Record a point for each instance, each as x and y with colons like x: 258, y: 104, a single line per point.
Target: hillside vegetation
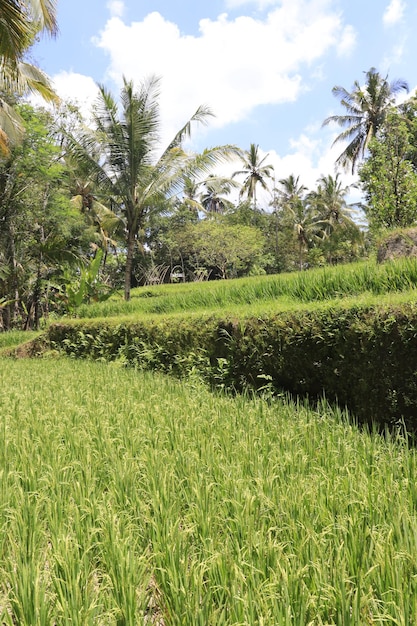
x: 276, y: 292
x: 348, y: 332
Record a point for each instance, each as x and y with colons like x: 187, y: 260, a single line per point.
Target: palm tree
x: 214, y: 199
x: 291, y: 192
x: 366, y: 108
x: 190, y: 195
x: 18, y: 79
x: 255, y: 172
x: 20, y: 22
x: 135, y: 183
x: 107, y: 224
x: 291, y: 197
x: 329, y: 201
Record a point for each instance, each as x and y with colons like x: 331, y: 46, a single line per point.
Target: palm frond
x: 15, y: 31
x: 366, y: 108
x: 20, y: 22
x: 22, y: 78
x: 11, y: 127
x: 201, y: 116
x: 43, y: 14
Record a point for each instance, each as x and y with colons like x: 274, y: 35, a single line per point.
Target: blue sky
x: 265, y: 67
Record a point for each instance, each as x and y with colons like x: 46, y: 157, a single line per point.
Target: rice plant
x: 279, y: 291
x: 13, y: 338
x: 129, y: 498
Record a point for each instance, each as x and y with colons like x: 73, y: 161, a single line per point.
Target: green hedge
x: 363, y: 357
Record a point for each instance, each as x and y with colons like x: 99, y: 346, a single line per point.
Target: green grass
x: 281, y: 291
x: 128, y: 498
x: 13, y: 338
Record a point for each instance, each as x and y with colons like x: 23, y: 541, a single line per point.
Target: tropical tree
x: 135, y: 182
x: 388, y: 177
x: 40, y: 230
x: 107, y: 225
x: 366, y: 107
x: 330, y: 203
x: 290, y: 192
x: 342, y: 239
x: 20, y: 23
x: 215, y: 246
x: 298, y: 214
x: 214, y: 197
x: 256, y: 172
x: 190, y: 195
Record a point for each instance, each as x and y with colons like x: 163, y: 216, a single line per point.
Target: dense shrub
x: 363, y: 357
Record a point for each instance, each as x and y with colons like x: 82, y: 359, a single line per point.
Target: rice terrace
x: 208, y: 362
x: 132, y: 496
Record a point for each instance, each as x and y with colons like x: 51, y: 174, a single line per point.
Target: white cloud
x: 394, y: 12
x: 74, y: 88
x: 347, y: 41
x: 309, y: 159
x: 261, y: 4
x: 78, y: 89
x: 394, y: 56
x: 116, y: 7
x: 233, y: 65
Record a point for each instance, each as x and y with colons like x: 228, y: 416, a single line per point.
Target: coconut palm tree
x: 329, y: 201
x: 135, y: 182
x: 290, y: 192
x: 214, y: 200
x: 190, y: 194
x: 299, y: 213
x: 366, y: 107
x: 108, y: 225
x: 20, y: 22
x: 19, y: 78
x: 255, y: 172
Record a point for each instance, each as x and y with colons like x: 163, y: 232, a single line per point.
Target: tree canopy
x: 366, y: 108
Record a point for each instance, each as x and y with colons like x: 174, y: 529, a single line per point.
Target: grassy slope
x: 126, y: 493
x: 15, y: 338
x: 366, y: 281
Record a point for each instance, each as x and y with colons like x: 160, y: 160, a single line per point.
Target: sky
x: 266, y: 68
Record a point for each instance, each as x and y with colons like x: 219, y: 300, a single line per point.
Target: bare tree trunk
x: 38, y: 284
x: 129, y: 264
x: 276, y: 237
x: 37, y: 299
x: 14, y: 269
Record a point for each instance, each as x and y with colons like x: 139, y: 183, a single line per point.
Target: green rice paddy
x: 128, y: 498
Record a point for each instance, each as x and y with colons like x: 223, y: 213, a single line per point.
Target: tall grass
x: 315, y: 285
x: 13, y: 338
x: 127, y: 498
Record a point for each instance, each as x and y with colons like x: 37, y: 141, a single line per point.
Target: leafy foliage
x: 388, y: 177
x: 365, y: 345
x: 40, y: 229
x: 120, y: 155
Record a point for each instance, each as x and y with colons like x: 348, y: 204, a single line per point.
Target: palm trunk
x: 276, y: 238
x: 38, y: 284
x: 129, y: 264
x: 14, y: 273
x: 37, y: 298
